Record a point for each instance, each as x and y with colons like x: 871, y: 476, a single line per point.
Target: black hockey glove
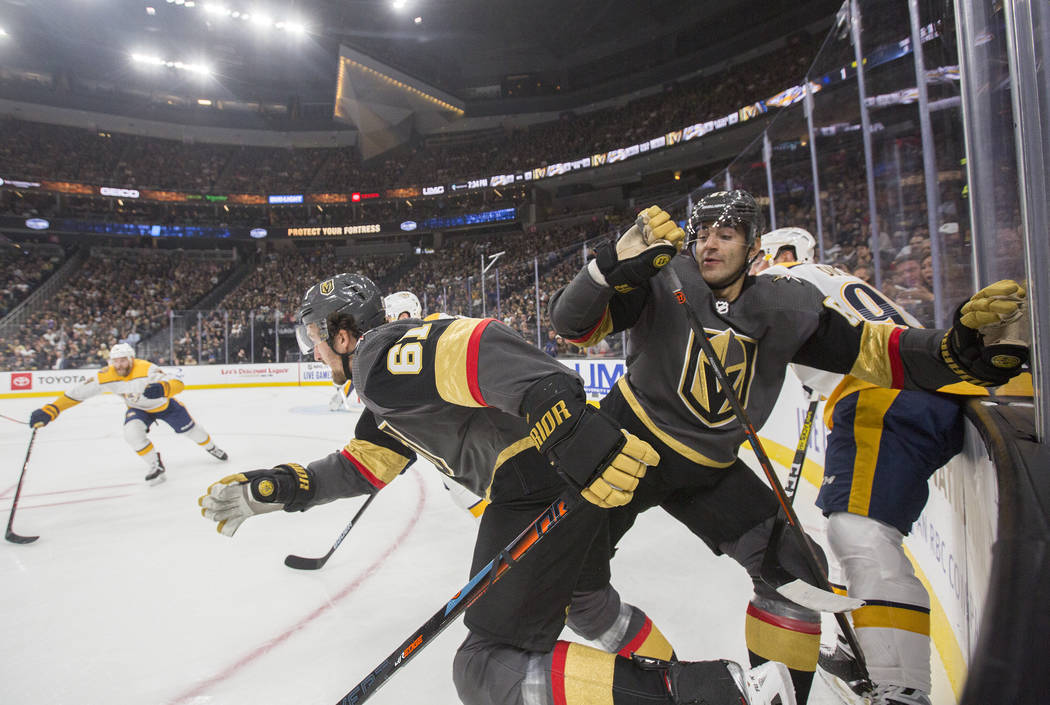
x: 984, y: 345
x: 153, y: 390
x: 593, y: 454
x: 234, y: 498
x: 39, y: 418
x: 645, y: 249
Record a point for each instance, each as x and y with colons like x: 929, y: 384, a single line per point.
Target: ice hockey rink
x: 130, y: 597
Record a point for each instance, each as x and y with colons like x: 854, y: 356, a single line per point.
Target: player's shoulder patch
x: 785, y: 292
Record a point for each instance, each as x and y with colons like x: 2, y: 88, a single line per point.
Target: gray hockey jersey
x: 450, y: 390
x: 669, y: 384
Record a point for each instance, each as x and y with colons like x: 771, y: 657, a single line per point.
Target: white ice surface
x: 130, y: 597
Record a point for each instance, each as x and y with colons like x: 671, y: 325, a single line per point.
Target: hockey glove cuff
x: 589, y: 450
x: 234, y: 498
x: 645, y: 249
x: 985, y: 344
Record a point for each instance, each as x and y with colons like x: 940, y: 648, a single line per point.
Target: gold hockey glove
x: 593, y: 454
x: 985, y: 345
x: 234, y: 498
x: 645, y: 249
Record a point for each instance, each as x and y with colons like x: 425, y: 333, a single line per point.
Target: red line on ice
x: 3, y: 495
x: 204, y: 686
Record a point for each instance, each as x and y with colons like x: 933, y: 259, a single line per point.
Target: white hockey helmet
x: 121, y: 350
x: 402, y: 302
x: 798, y: 238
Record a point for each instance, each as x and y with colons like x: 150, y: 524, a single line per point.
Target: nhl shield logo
x: 327, y: 286
x: 698, y: 387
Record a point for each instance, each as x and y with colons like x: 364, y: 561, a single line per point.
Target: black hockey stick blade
x: 15, y: 538
x: 463, y: 599
x: 301, y: 563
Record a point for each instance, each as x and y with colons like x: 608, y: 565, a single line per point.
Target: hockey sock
x: 616, y: 626
x: 790, y: 640
x: 581, y: 675
x: 199, y: 436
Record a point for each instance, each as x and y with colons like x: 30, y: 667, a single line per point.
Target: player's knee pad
x: 486, y: 672
x: 788, y: 551
x: 135, y: 434
x: 871, y: 556
x: 592, y: 614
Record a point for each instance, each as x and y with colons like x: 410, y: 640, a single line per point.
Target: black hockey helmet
x: 346, y: 301
x: 732, y: 208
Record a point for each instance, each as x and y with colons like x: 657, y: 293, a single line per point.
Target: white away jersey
x: 853, y: 298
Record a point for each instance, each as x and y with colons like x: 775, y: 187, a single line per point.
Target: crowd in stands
x: 21, y: 270
x: 34, y: 151
x: 116, y: 294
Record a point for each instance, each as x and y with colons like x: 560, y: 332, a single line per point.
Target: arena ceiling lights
x: 257, y: 17
x: 202, y: 70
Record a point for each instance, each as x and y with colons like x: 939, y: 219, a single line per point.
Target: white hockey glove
x: 986, y: 344
x: 645, y: 249
x: 234, y: 498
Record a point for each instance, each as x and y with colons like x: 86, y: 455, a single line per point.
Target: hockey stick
x: 300, y: 563
x: 10, y: 535
x: 463, y: 599
x: 795, y: 473
x: 4, y: 416
x: 808, y: 552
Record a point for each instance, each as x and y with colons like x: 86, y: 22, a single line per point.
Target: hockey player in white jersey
x: 149, y: 394
x: 883, y: 447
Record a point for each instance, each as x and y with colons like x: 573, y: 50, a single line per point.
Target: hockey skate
x: 337, y: 402
x: 839, y: 670
x: 155, y: 476
x: 217, y: 452
x: 725, y: 683
x: 886, y: 694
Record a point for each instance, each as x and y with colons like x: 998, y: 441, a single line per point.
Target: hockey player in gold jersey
x: 149, y: 394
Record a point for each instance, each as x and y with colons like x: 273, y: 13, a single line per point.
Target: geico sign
x: 119, y: 192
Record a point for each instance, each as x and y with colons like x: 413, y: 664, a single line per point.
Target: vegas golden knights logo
x: 327, y: 286
x: 699, y: 387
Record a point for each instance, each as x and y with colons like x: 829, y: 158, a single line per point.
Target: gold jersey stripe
x: 594, y: 336
x: 588, y: 676
x: 451, y: 374
x: 505, y: 455
x: 873, y: 361
x: 892, y: 618
x: 383, y: 463
x: 671, y: 442
x: 867, y: 435
x: 796, y: 650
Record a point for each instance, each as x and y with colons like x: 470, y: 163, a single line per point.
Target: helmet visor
x: 308, y: 335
